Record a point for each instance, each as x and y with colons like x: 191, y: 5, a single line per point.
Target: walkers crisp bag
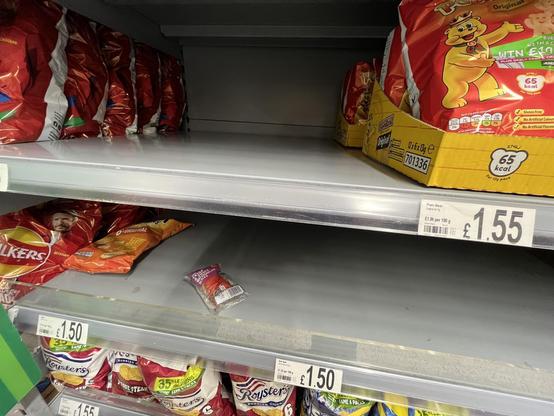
x: 173, y: 103
x: 481, y: 66
x: 121, y: 111
x: 117, y: 252
x: 33, y: 70
x: 34, y: 242
x: 148, y: 88
x: 86, y: 87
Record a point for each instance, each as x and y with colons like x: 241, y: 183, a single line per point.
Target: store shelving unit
x: 265, y: 176
x: 435, y: 321
x: 442, y: 333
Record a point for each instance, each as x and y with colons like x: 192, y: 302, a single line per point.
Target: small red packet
x: 215, y: 288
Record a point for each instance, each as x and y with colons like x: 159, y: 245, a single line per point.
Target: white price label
x: 65, y: 329
x: 3, y: 177
x: 70, y: 407
x: 306, y: 375
x: 476, y: 222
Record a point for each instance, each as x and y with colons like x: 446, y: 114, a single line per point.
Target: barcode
x: 227, y: 294
x: 435, y: 229
x: 286, y: 378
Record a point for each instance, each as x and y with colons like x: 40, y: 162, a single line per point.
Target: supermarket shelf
x: 387, y: 310
x: 128, y: 21
x: 109, y: 404
x: 274, y: 177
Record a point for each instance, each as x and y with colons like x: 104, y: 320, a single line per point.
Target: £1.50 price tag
x: 70, y: 407
x: 306, y: 375
x: 49, y: 326
x: 477, y: 222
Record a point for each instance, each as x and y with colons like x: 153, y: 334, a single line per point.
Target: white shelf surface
x: 438, y: 321
x: 292, y: 179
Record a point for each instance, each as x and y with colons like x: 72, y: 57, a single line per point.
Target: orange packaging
x: 480, y: 66
x: 117, y: 252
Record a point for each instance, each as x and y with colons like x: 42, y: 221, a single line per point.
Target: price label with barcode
x: 70, y: 407
x: 307, y: 375
x: 477, y: 222
x: 49, y: 326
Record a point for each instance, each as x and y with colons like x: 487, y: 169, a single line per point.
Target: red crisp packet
x: 215, y: 288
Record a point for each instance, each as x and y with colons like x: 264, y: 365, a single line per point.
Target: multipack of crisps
x: 75, y: 365
x: 254, y: 396
x: 319, y: 403
x: 35, y: 242
x: 185, y: 387
x: 119, y: 55
x: 148, y: 87
x: 86, y: 87
x: 33, y: 70
x: 126, y: 377
x: 117, y: 252
x: 173, y: 102
x: 481, y: 66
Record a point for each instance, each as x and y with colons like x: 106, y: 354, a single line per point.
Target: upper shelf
x: 261, y: 176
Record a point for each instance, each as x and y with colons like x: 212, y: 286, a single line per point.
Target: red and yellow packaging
x: 35, y: 242
x: 74, y: 365
x: 33, y: 36
x: 118, y: 216
x: 117, y: 252
x: 355, y: 99
x: 86, y: 87
x: 121, y: 111
x: 126, y: 376
x: 393, y: 74
x: 480, y: 66
x: 148, y: 87
x: 173, y: 102
x: 185, y: 388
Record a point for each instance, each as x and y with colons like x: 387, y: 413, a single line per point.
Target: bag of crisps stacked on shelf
x: 75, y: 365
x: 173, y: 102
x: 118, y: 216
x: 185, y: 386
x: 35, y: 242
x: 393, y: 75
x: 116, y: 252
x: 33, y: 70
x: 86, y: 87
x: 254, y: 396
x: 126, y: 377
x: 354, y: 105
x: 119, y: 56
x: 148, y: 88
x: 480, y: 66
x: 319, y: 403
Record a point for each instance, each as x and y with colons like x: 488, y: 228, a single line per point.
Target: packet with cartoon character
x: 480, y: 66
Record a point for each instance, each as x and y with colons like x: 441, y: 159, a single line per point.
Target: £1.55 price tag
x: 70, y: 407
x: 49, y: 326
x: 306, y: 375
x: 477, y: 222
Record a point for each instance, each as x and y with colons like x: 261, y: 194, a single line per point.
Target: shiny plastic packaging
x: 480, y: 66
x: 256, y: 397
x: 173, y: 102
x: 121, y: 111
x: 86, y: 87
x: 33, y: 70
x: 356, y: 92
x: 148, y: 88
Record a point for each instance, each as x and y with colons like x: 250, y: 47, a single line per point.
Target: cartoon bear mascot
x: 468, y: 60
